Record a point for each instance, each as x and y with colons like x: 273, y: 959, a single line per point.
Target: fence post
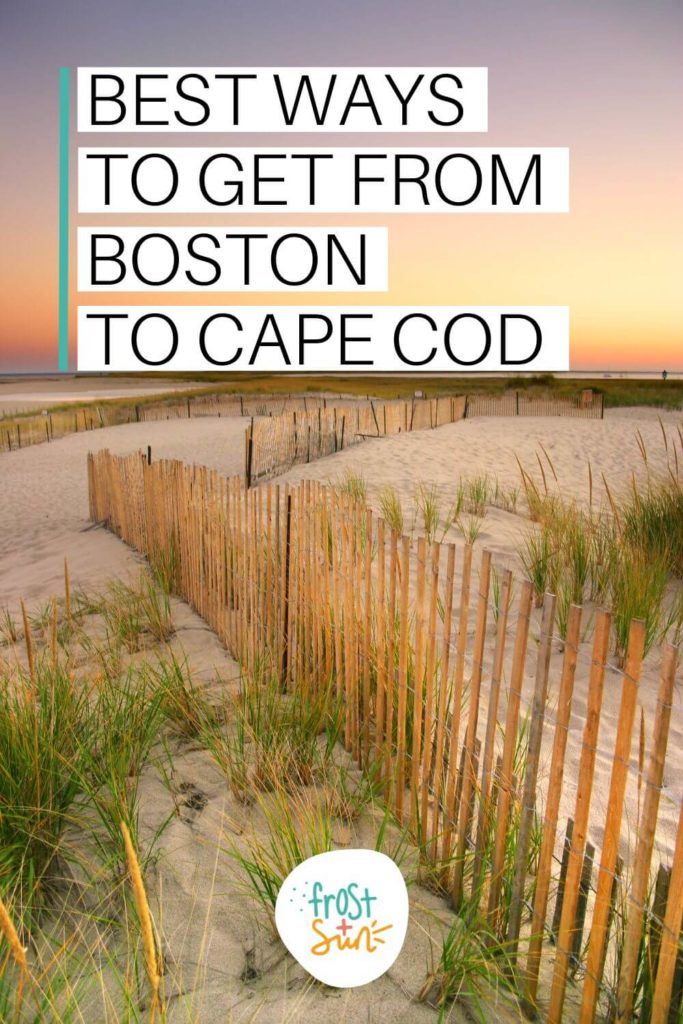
x: 485, y: 803
x: 341, y: 446
x: 668, y: 987
x: 188, y: 409
x: 564, y: 864
x: 469, y: 770
x: 637, y: 895
x: 582, y: 902
x: 608, y: 858
x: 545, y: 856
x: 654, y: 938
x: 372, y: 406
x: 250, y: 453
x: 284, y: 668
x: 581, y: 816
x: 149, y: 455
x: 531, y: 773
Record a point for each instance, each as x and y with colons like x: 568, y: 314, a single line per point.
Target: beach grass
x: 63, y: 418
x: 83, y: 719
x: 391, y: 509
x: 99, y: 696
x: 627, y: 554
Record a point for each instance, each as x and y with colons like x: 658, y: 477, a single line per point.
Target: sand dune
x: 44, y: 516
x: 44, y: 500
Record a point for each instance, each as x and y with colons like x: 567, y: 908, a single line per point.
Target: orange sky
x: 608, y: 84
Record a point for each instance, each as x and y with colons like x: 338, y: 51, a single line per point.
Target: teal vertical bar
x: 63, y: 352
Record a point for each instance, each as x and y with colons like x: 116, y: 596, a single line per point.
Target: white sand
x: 210, y: 935
x: 44, y: 500
x: 223, y: 962
x: 492, y: 445
x: 44, y: 517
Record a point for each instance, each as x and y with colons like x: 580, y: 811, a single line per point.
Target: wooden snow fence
x: 427, y: 658
x: 588, y: 404
x: 274, y: 445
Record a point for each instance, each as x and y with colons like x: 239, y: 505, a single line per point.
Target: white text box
x: 236, y: 259
x: 196, y: 99
x: 323, y: 339
x: 341, y: 180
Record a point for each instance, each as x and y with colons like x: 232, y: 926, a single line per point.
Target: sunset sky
x: 604, y: 78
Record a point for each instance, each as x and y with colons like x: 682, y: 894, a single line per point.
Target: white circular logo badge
x: 343, y: 915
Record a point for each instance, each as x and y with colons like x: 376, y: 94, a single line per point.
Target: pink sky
x: 605, y: 80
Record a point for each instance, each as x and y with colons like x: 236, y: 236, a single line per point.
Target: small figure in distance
x: 665, y: 374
